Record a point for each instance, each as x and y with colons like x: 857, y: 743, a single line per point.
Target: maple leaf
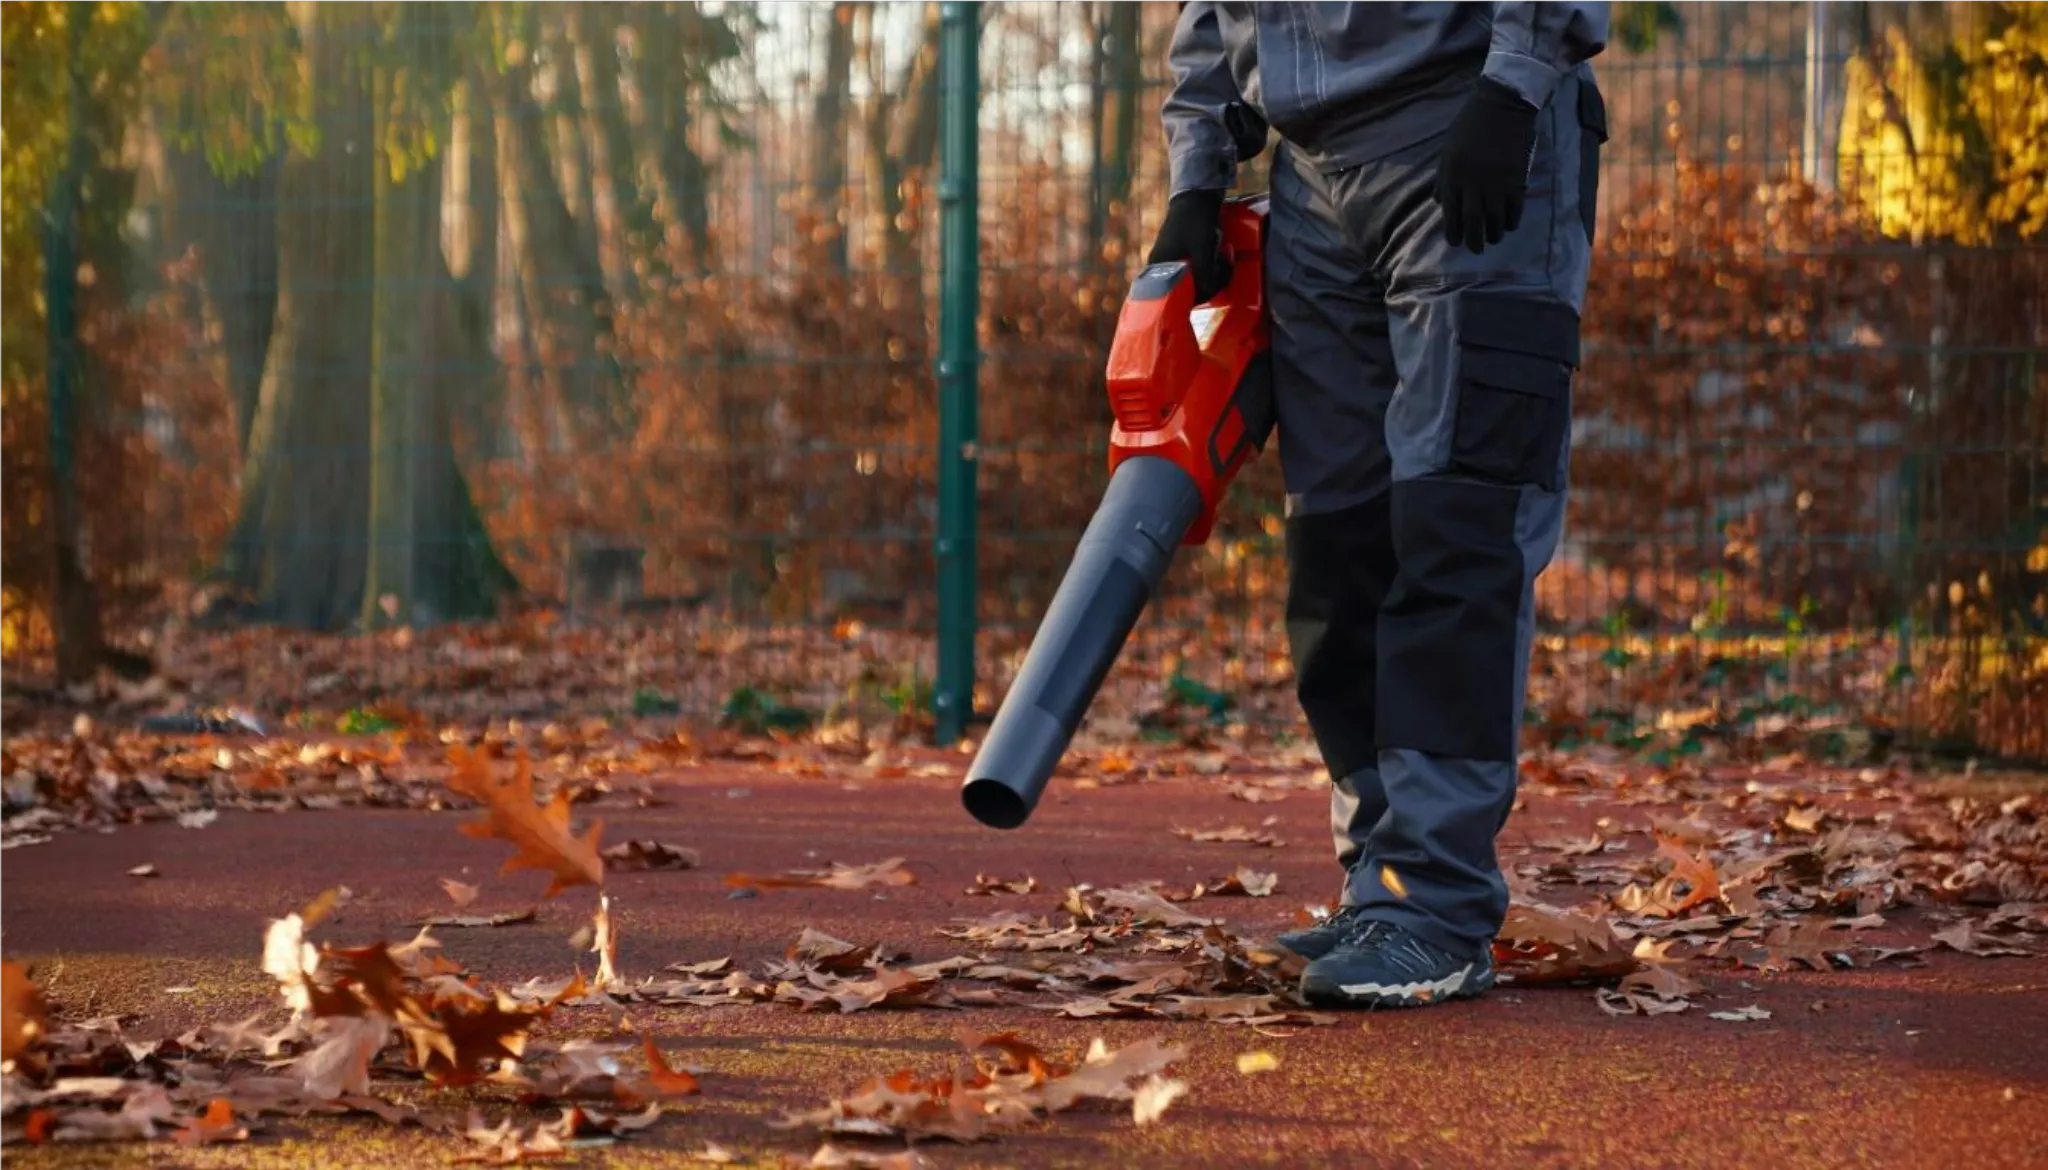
x: 541, y: 835
x: 22, y: 1015
x: 648, y: 855
x: 815, y: 948
x: 217, y: 1124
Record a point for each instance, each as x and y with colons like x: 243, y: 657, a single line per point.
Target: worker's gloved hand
x: 1483, y: 177
x: 1193, y: 232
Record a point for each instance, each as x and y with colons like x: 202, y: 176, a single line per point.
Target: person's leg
x: 1333, y: 371
x: 1479, y: 435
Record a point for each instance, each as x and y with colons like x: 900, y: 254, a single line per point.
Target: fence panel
x: 627, y: 316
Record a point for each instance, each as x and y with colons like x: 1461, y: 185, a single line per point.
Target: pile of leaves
x: 361, y: 1020
x: 1781, y: 868
x: 1004, y: 1083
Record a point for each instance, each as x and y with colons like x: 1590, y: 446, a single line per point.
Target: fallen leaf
x: 1803, y: 820
x: 665, y: 1080
x: 339, y: 1065
x: 1253, y: 794
x: 985, y: 885
x: 1741, y: 1015
x: 714, y: 1154
x: 1540, y: 944
x: 217, y: 1124
x: 831, y: 1157
x: 1965, y: 937
x: 460, y: 893
x: 540, y: 835
x: 1147, y: 908
x: 1153, y: 1097
x: 1232, y: 834
x: 648, y: 855
x: 197, y: 818
x: 1249, y: 1063
x: 839, y: 877
x: 1247, y: 882
x: 145, y: 870
x: 476, y: 921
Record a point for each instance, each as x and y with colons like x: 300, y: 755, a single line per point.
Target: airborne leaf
x: 541, y: 836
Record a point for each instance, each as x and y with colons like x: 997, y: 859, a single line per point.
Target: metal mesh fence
x: 400, y: 313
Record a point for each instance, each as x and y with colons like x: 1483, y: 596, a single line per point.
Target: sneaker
x: 1314, y: 942
x: 1385, y: 965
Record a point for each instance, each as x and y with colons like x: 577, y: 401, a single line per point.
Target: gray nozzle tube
x: 1130, y: 542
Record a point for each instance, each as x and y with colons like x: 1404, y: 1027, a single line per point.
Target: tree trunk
x: 470, y: 241
x: 664, y: 126
x: 828, y: 129
x: 234, y: 224
x: 574, y: 328
x: 299, y: 545
x: 572, y: 151
x: 902, y: 136
x: 624, y: 224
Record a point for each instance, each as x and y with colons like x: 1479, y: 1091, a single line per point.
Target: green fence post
x: 959, y: 362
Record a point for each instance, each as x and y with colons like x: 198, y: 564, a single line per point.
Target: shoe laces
x: 1361, y: 932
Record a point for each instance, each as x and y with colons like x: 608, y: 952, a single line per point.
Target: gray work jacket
x: 1345, y: 84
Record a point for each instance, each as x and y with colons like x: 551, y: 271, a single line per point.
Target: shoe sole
x: 1467, y: 982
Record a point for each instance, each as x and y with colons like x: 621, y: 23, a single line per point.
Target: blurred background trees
x: 397, y: 313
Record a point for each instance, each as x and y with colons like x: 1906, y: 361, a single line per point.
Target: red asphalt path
x: 1935, y: 1066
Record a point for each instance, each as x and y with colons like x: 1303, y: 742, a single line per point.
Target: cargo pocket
x: 1592, y: 135
x: 1515, y: 362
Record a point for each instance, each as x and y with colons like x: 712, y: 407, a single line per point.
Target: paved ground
x: 1941, y: 1065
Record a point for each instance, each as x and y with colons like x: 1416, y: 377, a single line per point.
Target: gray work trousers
x: 1423, y: 397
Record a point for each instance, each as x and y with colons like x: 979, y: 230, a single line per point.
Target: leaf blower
x: 1191, y: 388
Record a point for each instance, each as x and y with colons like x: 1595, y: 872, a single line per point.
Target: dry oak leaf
x: 664, y: 1079
x: 22, y: 1015
x: 340, y: 1064
x: 1539, y: 944
x: 541, y: 835
x: 985, y: 885
x: 1232, y: 834
x: 474, y: 921
x: 217, y: 1124
x: 838, y: 877
x: 1965, y: 937
x: 648, y: 855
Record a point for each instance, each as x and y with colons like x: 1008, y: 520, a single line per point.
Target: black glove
x: 1483, y: 176
x: 1193, y: 232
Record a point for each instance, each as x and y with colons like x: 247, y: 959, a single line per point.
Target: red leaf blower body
x: 1191, y: 389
